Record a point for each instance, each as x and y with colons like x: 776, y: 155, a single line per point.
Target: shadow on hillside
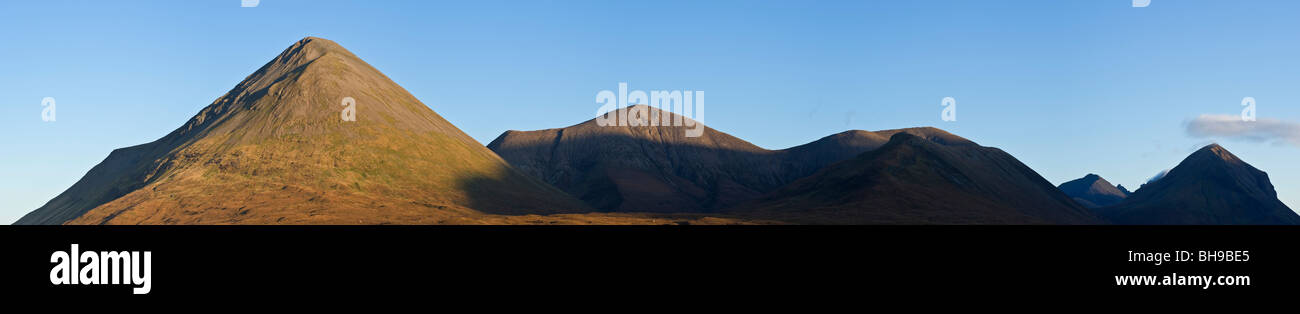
x: 517, y: 194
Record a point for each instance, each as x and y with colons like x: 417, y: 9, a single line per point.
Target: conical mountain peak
x: 1210, y: 186
x: 316, y: 135
x: 300, y: 54
x: 1093, y: 191
x: 308, y: 49
x: 304, y: 91
x: 1214, y: 152
x: 312, y: 43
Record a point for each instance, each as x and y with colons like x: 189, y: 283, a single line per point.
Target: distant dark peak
x: 1124, y: 189
x: 1093, y: 191
x: 1088, y: 181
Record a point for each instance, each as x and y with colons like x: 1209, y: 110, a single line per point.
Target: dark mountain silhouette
x: 915, y: 180
x: 1210, y: 187
x: 275, y: 149
x: 1093, y: 191
x: 660, y: 169
x: 1124, y: 190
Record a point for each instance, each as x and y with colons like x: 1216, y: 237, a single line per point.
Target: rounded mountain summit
x: 276, y: 149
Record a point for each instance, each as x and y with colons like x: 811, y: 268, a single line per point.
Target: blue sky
x: 1068, y: 87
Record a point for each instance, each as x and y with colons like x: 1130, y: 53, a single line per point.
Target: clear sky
x: 1068, y: 87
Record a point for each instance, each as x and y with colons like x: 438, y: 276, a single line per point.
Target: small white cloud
x: 1157, y: 177
x: 1233, y: 127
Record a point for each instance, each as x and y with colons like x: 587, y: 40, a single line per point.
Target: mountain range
x: 318, y: 136
x: 660, y: 169
x: 915, y: 180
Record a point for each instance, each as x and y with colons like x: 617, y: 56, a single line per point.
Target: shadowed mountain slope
x: 1093, y: 191
x: 1210, y: 187
x: 660, y: 169
x: 275, y: 150
x: 914, y: 180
